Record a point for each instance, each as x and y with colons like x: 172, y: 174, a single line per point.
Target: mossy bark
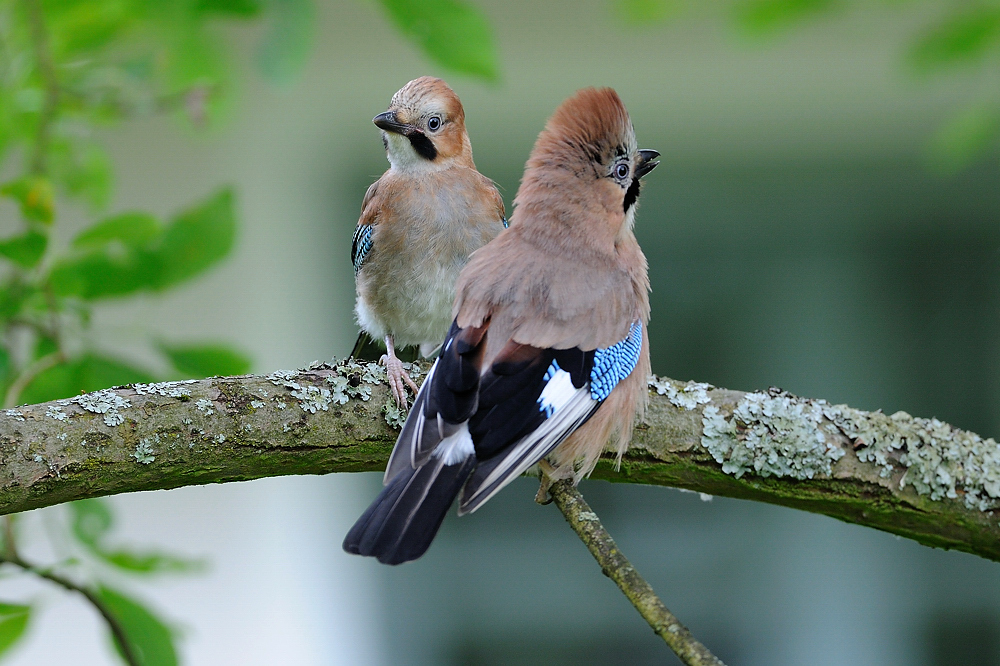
x: 240, y: 428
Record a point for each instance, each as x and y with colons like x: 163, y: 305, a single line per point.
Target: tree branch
x: 616, y: 566
x: 918, y: 478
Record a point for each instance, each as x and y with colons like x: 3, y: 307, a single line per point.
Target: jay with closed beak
x: 547, y: 356
x: 419, y: 223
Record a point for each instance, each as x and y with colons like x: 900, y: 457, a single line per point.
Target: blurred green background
x: 824, y: 220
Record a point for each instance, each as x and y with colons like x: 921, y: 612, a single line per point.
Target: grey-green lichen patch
x: 688, y: 397
x: 311, y: 398
x: 279, y: 377
x: 204, y: 406
x: 940, y: 461
x: 14, y: 414
x: 56, y: 412
x: 874, y: 435
x: 165, y: 389
x: 772, y: 434
x: 105, y: 402
x: 356, y: 380
x: 144, y: 451
x: 394, y: 416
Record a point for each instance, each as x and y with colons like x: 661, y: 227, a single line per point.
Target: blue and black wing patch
x: 506, y: 224
x: 528, y: 408
x: 361, y: 246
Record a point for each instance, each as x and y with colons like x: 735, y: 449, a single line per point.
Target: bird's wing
x: 366, y: 225
x: 521, y: 419
x: 525, y: 404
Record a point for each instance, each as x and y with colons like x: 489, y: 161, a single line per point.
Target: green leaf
x: 770, y: 15
x: 89, y: 373
x: 35, y: 195
x: 105, y: 273
x: 135, y: 230
x: 91, y: 520
x: 13, y: 623
x: 133, y: 252
x: 229, y: 8
x: 286, y: 44
x: 451, y: 32
x: 147, y: 635
x: 151, y: 563
x: 25, y: 250
x: 197, y: 239
x: 82, y: 172
x: 207, y: 360
x: 647, y: 12
x: 965, y: 138
x: 964, y: 38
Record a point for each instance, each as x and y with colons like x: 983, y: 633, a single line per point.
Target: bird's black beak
x: 646, y: 163
x: 390, y: 123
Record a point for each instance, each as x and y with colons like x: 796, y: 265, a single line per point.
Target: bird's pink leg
x: 396, y: 375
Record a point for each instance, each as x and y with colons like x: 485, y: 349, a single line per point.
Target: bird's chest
x: 419, y: 247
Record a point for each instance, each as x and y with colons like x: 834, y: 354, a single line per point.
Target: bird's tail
x: 402, y: 521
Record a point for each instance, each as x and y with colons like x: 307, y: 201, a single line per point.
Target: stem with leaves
x: 12, y: 557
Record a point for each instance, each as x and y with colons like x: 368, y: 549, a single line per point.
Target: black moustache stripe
x: 424, y: 146
x: 632, y: 194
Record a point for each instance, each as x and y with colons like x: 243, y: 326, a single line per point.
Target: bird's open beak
x: 390, y: 123
x: 646, y: 163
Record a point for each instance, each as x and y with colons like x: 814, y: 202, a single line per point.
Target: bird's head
x: 424, y: 127
x: 588, y: 154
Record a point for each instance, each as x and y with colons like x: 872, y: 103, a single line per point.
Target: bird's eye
x: 433, y: 123
x: 621, y: 171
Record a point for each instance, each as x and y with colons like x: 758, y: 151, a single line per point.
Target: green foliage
x: 14, y: 620
x: 206, y: 360
x: 965, y: 37
x: 149, y: 638
x: 196, y: 240
x: 286, y: 44
x: 452, y: 33
x: 92, y: 521
x: 965, y: 138
x: 25, y: 250
x: 35, y: 196
x: 134, y: 252
x: 91, y: 372
x: 644, y: 12
x: 769, y: 15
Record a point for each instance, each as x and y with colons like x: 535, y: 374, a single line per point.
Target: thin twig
x: 113, y: 624
x: 47, y: 72
x: 29, y: 374
x: 616, y: 566
x: 10, y: 548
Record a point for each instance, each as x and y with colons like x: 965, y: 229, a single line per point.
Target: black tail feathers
x: 402, y: 521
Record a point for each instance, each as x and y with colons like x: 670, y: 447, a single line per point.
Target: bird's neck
x: 404, y: 159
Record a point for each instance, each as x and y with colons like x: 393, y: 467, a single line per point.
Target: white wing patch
x: 558, y: 390
x: 570, y: 408
x: 456, y: 447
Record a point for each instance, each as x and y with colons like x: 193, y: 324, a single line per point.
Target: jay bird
x: 547, y: 356
x: 419, y: 223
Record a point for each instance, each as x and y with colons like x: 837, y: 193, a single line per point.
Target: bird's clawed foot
x: 545, y: 481
x: 398, y: 379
